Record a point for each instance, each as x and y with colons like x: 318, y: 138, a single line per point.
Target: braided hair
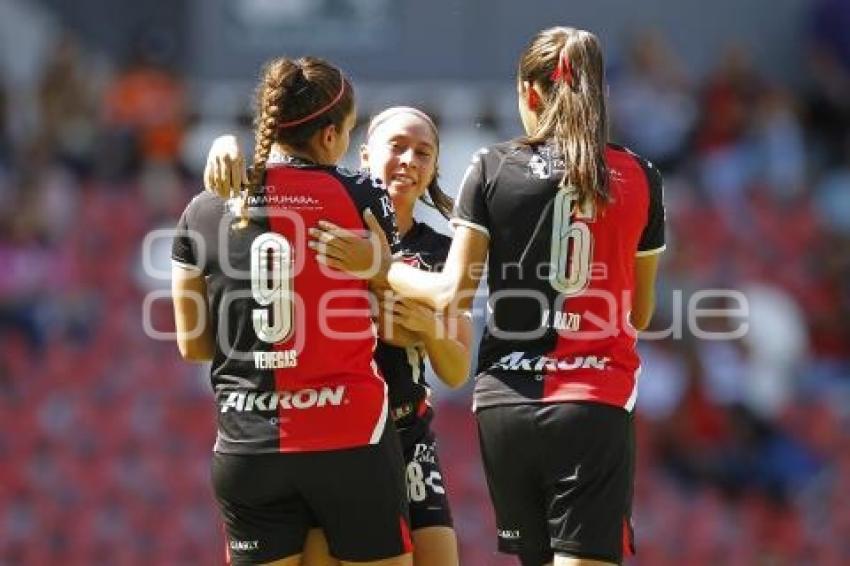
x: 294, y: 100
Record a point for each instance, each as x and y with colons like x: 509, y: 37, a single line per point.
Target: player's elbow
x: 443, y: 298
x: 455, y: 376
x: 449, y: 294
x: 194, y: 351
x: 641, y: 316
x: 641, y: 323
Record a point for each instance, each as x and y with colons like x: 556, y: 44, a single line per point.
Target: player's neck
x: 288, y: 151
x: 404, y: 221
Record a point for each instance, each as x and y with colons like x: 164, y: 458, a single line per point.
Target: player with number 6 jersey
x: 571, y: 328
x: 571, y: 228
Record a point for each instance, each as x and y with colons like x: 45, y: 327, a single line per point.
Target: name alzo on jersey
x: 558, y: 320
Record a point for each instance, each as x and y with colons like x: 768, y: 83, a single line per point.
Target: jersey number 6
x: 271, y: 285
x: 572, y: 246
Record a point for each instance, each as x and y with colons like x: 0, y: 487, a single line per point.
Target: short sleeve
x: 652, y: 239
x: 470, y: 207
x: 183, y: 252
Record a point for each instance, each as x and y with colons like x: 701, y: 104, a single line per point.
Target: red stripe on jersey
x: 406, y: 540
x: 227, y: 560
x: 628, y: 543
x: 334, y: 397
x: 599, y: 362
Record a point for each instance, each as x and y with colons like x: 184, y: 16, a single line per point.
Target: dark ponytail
x: 438, y: 199
x: 568, y: 66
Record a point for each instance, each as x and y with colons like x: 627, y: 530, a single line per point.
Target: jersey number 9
x: 271, y: 285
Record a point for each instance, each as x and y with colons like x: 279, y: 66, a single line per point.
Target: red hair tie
x: 564, y: 69
x: 320, y: 111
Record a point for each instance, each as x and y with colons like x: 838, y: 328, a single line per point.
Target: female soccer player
x: 572, y: 226
x: 402, y: 148
x: 303, y: 435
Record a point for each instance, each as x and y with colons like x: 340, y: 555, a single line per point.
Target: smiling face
x: 402, y: 152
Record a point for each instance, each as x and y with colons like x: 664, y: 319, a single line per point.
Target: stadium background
x: 106, y: 111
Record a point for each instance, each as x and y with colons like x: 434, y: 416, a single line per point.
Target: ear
x: 329, y: 134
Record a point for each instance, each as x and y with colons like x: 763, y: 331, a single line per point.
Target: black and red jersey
x: 293, y: 369
x: 404, y: 368
x: 561, y: 275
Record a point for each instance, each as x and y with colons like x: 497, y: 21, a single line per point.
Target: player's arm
x: 224, y: 173
x: 390, y: 327
x: 448, y: 350
x: 371, y: 258
x: 453, y: 288
x: 195, y: 337
x: 366, y: 254
x: 650, y: 246
x: 193, y: 327
x: 643, y: 304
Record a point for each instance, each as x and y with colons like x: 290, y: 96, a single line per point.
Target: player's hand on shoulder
x: 224, y: 173
x: 363, y: 256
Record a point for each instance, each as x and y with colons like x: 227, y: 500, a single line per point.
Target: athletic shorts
x: 561, y: 479
x: 426, y: 491
x: 357, y: 496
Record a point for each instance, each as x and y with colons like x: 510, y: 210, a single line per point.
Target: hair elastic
x: 564, y: 69
x: 321, y: 110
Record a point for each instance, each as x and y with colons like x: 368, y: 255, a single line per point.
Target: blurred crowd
x: 744, y: 451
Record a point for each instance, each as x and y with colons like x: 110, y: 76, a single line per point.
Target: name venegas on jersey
x: 518, y: 361
x: 276, y: 360
x: 308, y: 398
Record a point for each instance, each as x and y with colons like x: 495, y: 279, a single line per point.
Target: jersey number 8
x: 271, y: 285
x: 572, y: 246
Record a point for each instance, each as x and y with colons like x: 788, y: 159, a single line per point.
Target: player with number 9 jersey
x: 295, y: 342
x: 304, y: 437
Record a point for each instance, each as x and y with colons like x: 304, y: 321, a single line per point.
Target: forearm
x: 197, y: 350
x: 641, y: 314
x: 448, y: 349
x: 396, y: 335
x: 193, y: 328
x: 433, y: 289
x: 643, y: 303
x: 449, y: 359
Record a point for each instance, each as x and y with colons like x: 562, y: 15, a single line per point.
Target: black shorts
x: 357, y: 496
x: 426, y: 490
x: 561, y: 479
